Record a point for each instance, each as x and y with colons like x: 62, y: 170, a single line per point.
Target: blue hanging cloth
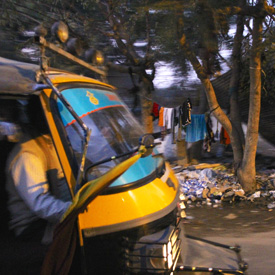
x: 197, y: 129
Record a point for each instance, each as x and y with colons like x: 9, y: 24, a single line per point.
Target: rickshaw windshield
x: 114, y: 130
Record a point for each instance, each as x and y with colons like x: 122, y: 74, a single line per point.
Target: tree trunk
x: 247, y: 170
x: 181, y: 153
x: 146, y: 111
x: 235, y: 115
x: 218, y: 112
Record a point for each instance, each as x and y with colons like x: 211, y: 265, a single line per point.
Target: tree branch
x: 119, y: 33
x: 247, y: 10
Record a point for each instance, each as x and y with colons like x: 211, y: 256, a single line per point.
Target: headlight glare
x: 156, y: 253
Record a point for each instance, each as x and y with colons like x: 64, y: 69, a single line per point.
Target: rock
x: 205, y: 193
x: 213, y: 190
x: 225, y: 188
x: 254, y: 196
x: 198, y: 204
x: 189, y: 217
x: 272, y: 182
x: 193, y: 198
x: 182, y: 214
x: 271, y: 205
x: 207, y: 173
x: 177, y: 169
x: 231, y: 216
x: 240, y: 193
x: 230, y: 193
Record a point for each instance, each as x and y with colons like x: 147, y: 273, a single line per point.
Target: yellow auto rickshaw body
x: 141, y: 206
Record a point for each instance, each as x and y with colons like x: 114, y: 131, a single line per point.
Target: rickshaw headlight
x: 99, y: 58
x: 95, y: 57
x: 156, y: 254
x: 74, y: 46
x: 61, y: 31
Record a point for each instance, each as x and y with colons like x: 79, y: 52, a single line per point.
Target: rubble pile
x: 216, y: 185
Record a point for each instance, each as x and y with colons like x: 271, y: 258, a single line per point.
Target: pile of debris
x: 213, y: 184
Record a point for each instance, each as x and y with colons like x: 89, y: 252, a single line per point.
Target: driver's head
x: 36, y: 116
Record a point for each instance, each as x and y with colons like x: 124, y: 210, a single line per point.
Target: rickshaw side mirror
x: 147, y: 140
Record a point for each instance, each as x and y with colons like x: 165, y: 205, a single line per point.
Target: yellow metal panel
x: 130, y: 205
x: 68, y: 78
x: 44, y: 97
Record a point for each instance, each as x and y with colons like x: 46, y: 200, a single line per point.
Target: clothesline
x: 196, y: 126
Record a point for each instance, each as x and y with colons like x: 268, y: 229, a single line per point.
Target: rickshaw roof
x: 20, y: 78
x: 17, y: 77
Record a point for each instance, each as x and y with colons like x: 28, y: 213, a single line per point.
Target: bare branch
x: 260, y: 9
x: 123, y: 68
x: 120, y: 33
x: 227, y: 63
x: 246, y: 23
x: 147, y: 34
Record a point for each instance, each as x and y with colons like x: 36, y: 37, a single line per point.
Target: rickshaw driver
x: 38, y: 193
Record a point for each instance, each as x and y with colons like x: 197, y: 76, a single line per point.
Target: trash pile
x: 216, y: 185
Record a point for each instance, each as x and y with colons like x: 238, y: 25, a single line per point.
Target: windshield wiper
x: 114, y: 157
x: 147, y: 140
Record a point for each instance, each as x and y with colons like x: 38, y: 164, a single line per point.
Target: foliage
x: 268, y: 67
x: 155, y: 22
x: 268, y: 70
x: 158, y: 22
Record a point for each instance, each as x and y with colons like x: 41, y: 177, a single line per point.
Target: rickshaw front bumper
x: 155, y: 253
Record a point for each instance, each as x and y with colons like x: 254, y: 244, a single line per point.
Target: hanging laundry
x: 185, y: 112
x: 161, y: 110
x: 217, y: 134
x: 155, y: 111
x: 175, y: 123
x: 224, y: 137
x: 167, y: 117
x: 196, y: 130
x: 161, y: 123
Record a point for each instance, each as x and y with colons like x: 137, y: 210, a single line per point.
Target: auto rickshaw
x: 133, y: 226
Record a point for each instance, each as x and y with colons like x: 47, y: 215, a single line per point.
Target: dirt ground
x: 248, y: 224
x: 251, y: 227
x: 229, y: 221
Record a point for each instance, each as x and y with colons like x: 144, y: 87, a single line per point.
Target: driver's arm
x: 31, y: 183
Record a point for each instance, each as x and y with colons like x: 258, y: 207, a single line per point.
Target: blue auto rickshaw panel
x: 141, y: 169
x: 85, y: 101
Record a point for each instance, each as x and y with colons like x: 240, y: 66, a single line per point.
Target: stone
x: 231, y: 216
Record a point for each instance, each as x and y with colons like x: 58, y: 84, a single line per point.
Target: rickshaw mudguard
x: 131, y: 208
